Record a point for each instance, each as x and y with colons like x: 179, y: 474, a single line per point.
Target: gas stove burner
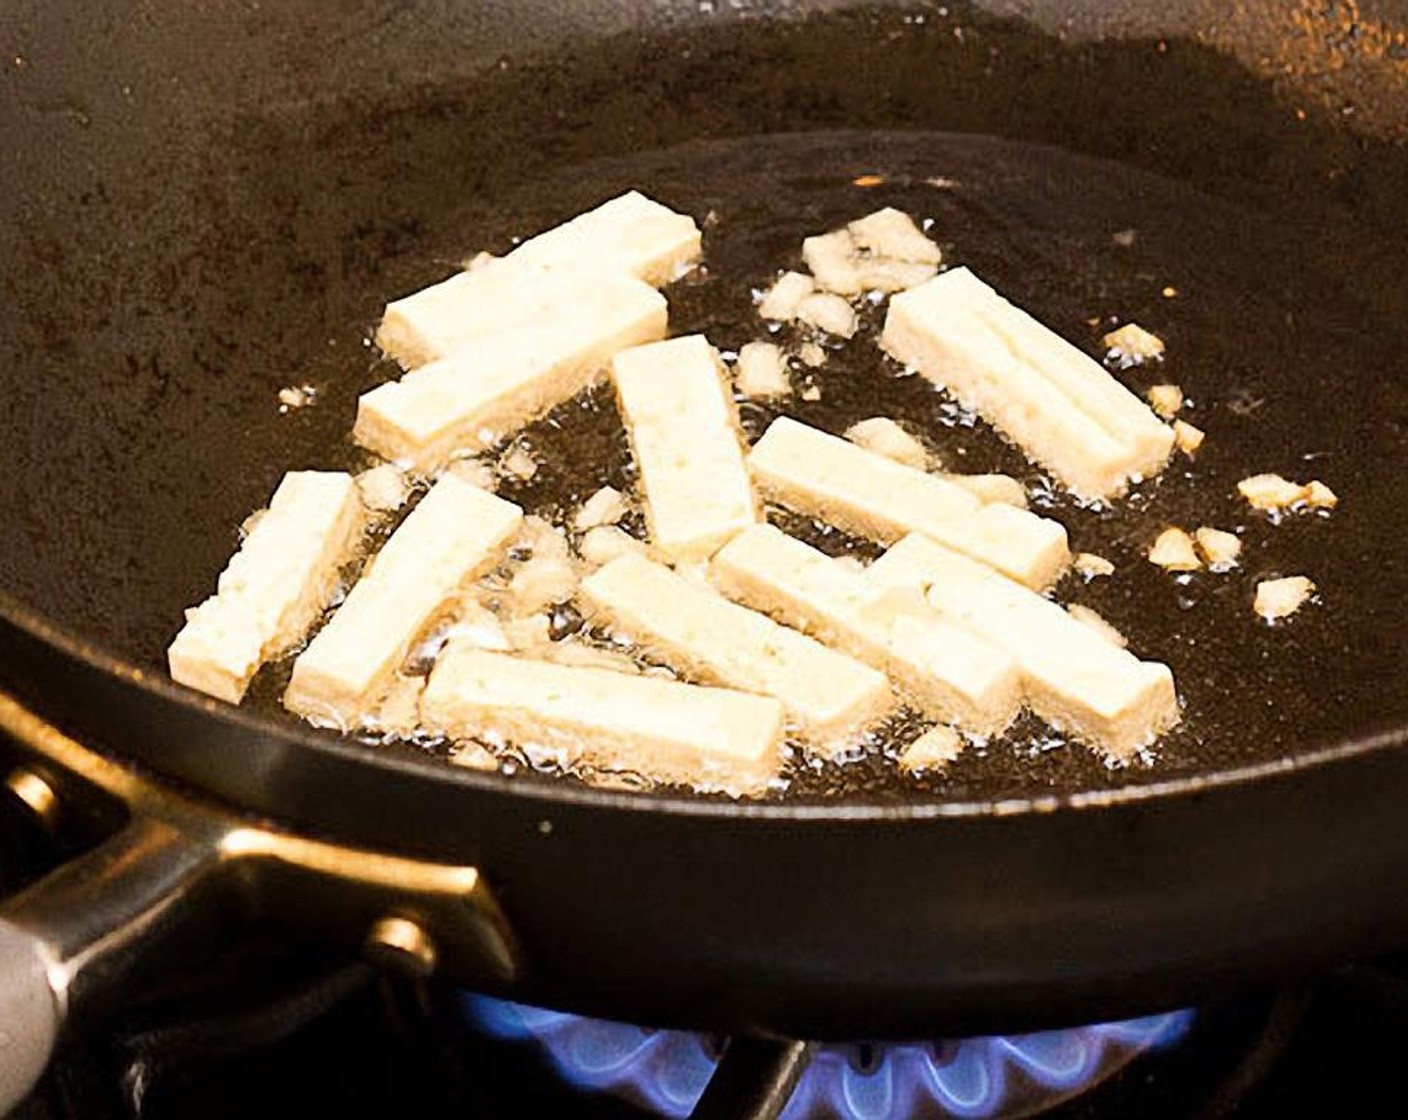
x: 1004, y: 1077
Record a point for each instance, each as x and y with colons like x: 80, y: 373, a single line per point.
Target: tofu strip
x: 274, y: 587
x: 688, y: 447
x: 500, y: 382
x: 872, y: 496
x: 665, y: 730
x: 1047, y: 396
x: 1075, y: 679
x: 631, y: 235
x: 455, y: 532
x: 697, y: 631
x: 949, y: 673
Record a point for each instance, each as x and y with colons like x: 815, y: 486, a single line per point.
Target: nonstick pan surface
x: 184, y: 238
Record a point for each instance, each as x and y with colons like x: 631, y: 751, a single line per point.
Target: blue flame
x: 666, y: 1071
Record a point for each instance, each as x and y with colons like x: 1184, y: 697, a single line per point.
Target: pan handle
x: 75, y: 940
x: 176, y: 877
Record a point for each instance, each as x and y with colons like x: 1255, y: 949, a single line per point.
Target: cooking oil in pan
x: 1084, y: 245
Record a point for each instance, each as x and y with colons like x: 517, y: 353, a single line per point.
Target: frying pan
x: 204, y: 202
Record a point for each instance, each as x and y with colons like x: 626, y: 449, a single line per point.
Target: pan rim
x: 563, y: 794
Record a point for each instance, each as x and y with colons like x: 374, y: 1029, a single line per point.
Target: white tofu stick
x: 664, y: 730
x: 696, y: 631
x: 631, y: 235
x: 687, y: 445
x: 501, y: 382
x: 872, y: 496
x: 274, y: 587
x: 455, y: 532
x: 1075, y: 679
x: 949, y: 673
x: 1051, y: 399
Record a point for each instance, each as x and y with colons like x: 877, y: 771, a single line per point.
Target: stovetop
x: 279, y: 1032
x: 283, y: 1031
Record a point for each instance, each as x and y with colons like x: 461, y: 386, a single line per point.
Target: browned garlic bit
x: 1089, y: 566
x: 785, y: 297
x: 813, y: 356
x: 1166, y: 400
x: 1187, y: 437
x: 1219, y: 548
x: 1132, y: 345
x: 606, y: 507
x: 519, y: 463
x: 475, y: 756
x: 1097, y: 623
x: 883, y: 436
x: 761, y: 371
x: 476, y: 472
x: 384, y: 489
x: 829, y: 313
x: 1280, y: 598
x: 989, y: 488
x: 933, y: 750
x: 1274, y: 494
x: 1174, y: 552
x: 606, y: 542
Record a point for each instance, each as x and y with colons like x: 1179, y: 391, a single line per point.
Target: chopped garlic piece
x: 832, y: 259
x: 1098, y: 623
x: 991, y: 488
x: 384, y: 488
x: 783, y: 298
x: 812, y: 393
x: 1270, y: 492
x: 1219, y: 548
x: 880, y: 274
x: 1173, y: 551
x: 1280, y: 598
x: 293, y: 397
x: 475, y: 756
x: 829, y: 313
x: 476, y: 472
x: 1132, y: 345
x: 541, y: 582
x: 606, y: 542
x: 1089, y: 566
x: 761, y: 371
x: 1166, y: 400
x: 1320, y: 496
x: 812, y: 355
x: 1187, y: 437
x: 933, y: 750
x: 606, y: 507
x: 520, y: 463
x: 892, y: 233
x: 883, y: 436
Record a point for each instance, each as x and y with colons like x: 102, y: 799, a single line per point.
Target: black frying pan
x: 201, y: 204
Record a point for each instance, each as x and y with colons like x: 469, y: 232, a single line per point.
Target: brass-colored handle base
x: 181, y: 869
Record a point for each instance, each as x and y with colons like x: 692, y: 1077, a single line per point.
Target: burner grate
x: 999, y: 1078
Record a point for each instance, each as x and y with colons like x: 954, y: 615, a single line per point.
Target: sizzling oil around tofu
x: 1084, y: 245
